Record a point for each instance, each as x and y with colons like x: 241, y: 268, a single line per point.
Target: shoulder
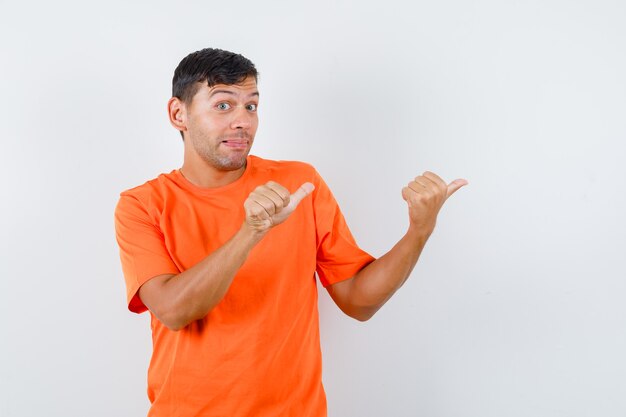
x: 154, y: 186
x: 149, y: 194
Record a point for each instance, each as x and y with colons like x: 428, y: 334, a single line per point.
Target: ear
x: 177, y: 113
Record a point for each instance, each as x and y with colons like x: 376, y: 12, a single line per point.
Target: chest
x: 280, y: 267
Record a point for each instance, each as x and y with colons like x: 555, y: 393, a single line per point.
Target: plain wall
x: 517, y: 305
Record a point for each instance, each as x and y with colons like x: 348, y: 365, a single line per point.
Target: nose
x: 242, y: 118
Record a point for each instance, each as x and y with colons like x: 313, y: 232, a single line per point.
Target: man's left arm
x: 369, y: 289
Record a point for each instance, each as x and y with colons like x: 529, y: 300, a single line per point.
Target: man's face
x: 221, y: 123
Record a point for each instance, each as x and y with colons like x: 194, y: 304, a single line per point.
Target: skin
x: 219, y: 125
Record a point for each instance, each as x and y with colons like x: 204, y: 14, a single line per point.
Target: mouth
x: 236, y: 143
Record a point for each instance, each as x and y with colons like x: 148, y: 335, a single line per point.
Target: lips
x: 236, y: 143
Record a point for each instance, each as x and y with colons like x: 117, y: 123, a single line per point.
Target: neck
x: 207, y: 176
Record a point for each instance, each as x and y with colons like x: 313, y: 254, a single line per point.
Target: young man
x: 223, y: 253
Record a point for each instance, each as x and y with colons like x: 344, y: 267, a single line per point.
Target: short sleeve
x: 142, y: 248
x: 338, y: 255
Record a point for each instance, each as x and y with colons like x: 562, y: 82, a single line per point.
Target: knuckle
x: 283, y: 195
x: 249, y: 204
x: 269, y: 207
x: 256, y: 210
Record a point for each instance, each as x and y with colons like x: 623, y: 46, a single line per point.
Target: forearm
x: 192, y: 294
x: 362, y: 295
x: 372, y: 286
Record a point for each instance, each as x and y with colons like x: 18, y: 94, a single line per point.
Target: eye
x: 223, y: 106
x: 251, y: 107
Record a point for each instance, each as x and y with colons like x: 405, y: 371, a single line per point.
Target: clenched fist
x: 270, y: 204
x: 425, y: 196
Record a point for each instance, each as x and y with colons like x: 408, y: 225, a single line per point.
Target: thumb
x: 304, y: 190
x: 455, y: 185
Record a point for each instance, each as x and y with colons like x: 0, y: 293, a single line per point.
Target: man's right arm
x: 177, y: 300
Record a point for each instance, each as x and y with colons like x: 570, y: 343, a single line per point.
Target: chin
x: 229, y: 164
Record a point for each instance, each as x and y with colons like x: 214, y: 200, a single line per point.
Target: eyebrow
x: 214, y: 92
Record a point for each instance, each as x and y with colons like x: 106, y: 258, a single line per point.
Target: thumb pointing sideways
x: 455, y: 185
x: 304, y: 190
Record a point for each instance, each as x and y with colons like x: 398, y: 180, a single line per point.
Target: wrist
x: 251, y: 235
x: 420, y: 234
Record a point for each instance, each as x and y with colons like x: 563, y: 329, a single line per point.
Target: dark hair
x: 210, y: 65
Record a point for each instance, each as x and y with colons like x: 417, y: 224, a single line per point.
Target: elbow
x: 174, y: 326
x: 362, y: 318
x: 362, y: 314
x: 171, y: 322
x: 174, y: 320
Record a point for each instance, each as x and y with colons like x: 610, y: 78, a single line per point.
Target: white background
x: 517, y: 305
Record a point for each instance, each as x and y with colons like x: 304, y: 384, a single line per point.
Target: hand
x: 425, y: 196
x: 271, y: 204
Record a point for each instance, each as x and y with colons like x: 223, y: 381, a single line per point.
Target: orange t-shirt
x: 257, y: 352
